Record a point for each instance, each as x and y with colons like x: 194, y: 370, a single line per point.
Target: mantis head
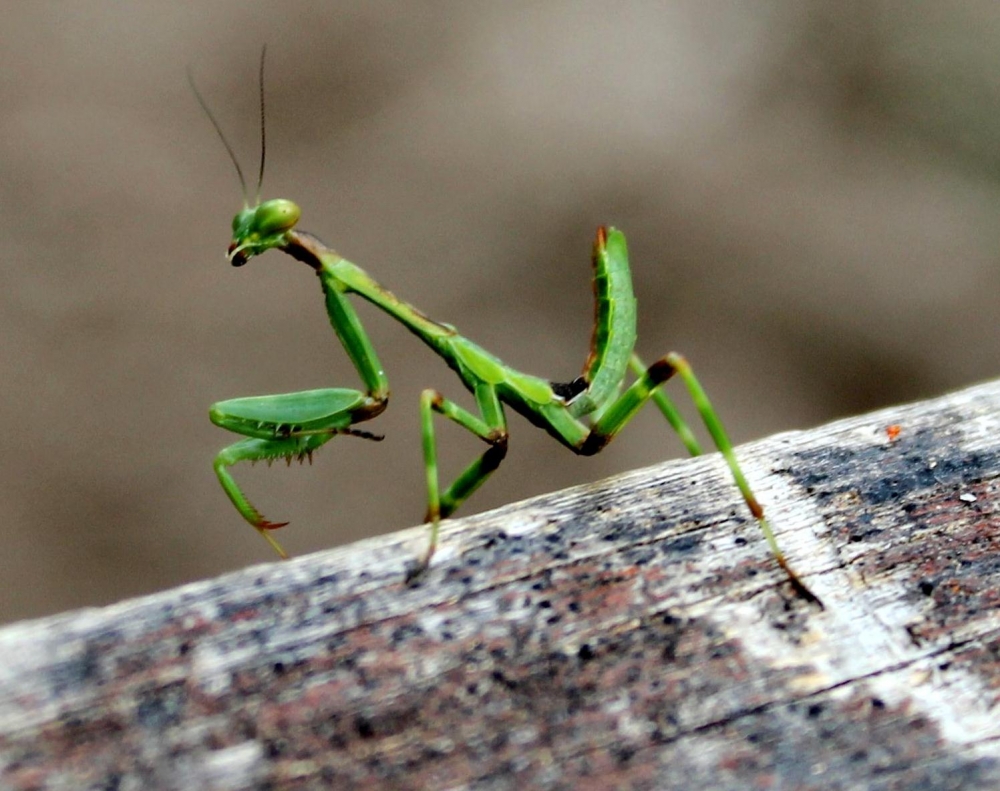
x: 257, y: 229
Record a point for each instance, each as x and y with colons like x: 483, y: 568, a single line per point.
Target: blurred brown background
x: 810, y: 192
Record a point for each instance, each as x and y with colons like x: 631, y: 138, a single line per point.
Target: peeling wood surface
x: 632, y: 633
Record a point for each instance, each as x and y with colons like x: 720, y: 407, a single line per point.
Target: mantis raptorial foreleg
x: 584, y: 415
x: 291, y: 426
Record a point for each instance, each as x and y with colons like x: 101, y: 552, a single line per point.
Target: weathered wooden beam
x: 633, y: 633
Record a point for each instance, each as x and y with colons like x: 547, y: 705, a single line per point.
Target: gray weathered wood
x: 632, y: 633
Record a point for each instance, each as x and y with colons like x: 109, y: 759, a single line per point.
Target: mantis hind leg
x: 491, y: 428
x: 646, y: 388
x: 670, y: 412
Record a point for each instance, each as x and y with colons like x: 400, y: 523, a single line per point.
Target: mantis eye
x: 241, y: 221
x: 275, y: 217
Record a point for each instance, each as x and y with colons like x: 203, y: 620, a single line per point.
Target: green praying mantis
x: 584, y: 415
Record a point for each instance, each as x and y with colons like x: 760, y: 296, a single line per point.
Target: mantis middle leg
x: 491, y: 428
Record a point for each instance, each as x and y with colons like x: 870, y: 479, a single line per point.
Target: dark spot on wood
x: 682, y: 545
x: 404, y: 633
x: 624, y: 754
x: 364, y: 727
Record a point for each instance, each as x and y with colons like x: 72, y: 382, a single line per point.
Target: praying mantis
x: 584, y: 415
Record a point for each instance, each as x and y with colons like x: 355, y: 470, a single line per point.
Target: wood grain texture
x: 632, y: 633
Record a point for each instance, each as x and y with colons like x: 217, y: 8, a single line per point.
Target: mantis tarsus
x: 584, y: 415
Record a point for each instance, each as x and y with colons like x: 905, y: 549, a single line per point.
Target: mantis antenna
x: 263, y: 128
x: 222, y: 136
